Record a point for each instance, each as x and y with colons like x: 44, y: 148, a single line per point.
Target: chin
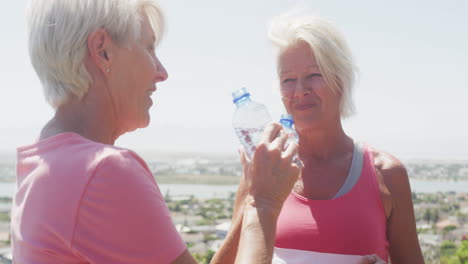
x: 139, y: 123
x: 145, y: 122
x: 307, y: 123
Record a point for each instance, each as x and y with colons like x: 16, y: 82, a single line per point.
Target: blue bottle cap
x: 287, y: 120
x: 240, y: 94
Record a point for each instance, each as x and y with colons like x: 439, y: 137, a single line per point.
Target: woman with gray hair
x: 350, y: 199
x: 79, y: 198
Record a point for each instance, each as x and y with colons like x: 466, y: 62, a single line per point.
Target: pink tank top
x: 351, y: 225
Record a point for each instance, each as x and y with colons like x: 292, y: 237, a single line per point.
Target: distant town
x: 172, y: 168
x: 442, y: 217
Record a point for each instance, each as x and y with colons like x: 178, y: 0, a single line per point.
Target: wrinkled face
x: 135, y: 73
x: 304, y: 91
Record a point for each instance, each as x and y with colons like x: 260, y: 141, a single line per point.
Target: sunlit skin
x: 119, y: 96
x: 326, y: 150
x: 324, y: 146
x: 118, y: 100
x: 133, y: 80
x: 303, y: 89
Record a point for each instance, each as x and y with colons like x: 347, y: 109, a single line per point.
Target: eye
x: 313, y: 75
x: 288, y: 80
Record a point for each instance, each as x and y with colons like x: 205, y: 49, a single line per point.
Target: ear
x: 100, y: 48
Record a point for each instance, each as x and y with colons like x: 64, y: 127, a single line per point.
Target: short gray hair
x: 329, y: 47
x: 58, y: 32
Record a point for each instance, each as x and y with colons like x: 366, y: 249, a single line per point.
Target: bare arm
x: 401, y: 223
x: 258, y: 235
x: 227, y: 253
x: 270, y: 180
x: 267, y: 182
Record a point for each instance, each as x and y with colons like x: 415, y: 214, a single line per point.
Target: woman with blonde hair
x: 350, y: 198
x: 79, y: 198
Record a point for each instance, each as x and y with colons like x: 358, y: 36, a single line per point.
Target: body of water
x: 206, y: 191
x: 200, y: 191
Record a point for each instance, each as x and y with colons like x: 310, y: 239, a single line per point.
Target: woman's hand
x: 271, y: 174
x: 372, y: 259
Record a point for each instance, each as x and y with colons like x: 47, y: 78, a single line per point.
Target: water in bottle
x: 249, y: 121
x: 287, y: 122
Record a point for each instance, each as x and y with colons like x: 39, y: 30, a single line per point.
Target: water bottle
x: 287, y: 122
x: 249, y: 121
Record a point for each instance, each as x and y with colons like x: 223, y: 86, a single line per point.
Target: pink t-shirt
x: 79, y: 201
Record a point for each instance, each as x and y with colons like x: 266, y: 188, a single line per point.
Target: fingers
x: 371, y: 259
x: 279, y: 141
x: 271, y: 132
x: 274, y: 139
x: 244, y: 158
x: 367, y: 260
x: 290, y: 153
x: 246, y: 163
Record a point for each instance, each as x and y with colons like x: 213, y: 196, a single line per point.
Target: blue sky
x: 411, y: 95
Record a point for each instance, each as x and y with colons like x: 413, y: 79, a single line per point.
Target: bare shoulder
x: 392, y: 180
x: 391, y: 171
x: 399, y: 209
x: 387, y: 164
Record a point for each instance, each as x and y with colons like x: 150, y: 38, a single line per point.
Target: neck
x: 324, y: 143
x: 94, y: 121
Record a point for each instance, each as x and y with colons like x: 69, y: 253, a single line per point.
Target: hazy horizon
x: 410, y: 97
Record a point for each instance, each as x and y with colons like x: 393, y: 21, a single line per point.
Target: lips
x: 150, y: 100
x: 151, y: 91
x: 302, y: 107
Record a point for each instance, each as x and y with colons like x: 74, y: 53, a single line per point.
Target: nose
x: 161, y: 73
x: 301, y: 89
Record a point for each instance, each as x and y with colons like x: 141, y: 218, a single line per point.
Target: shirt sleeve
x: 123, y: 218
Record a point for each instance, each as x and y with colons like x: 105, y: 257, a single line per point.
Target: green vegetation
x: 431, y: 215
x: 448, y: 248
x: 204, y: 258
x: 449, y: 228
x: 198, y: 179
x: 453, y: 254
x: 441, y: 217
x: 6, y: 199
x: 4, y: 217
x: 462, y: 252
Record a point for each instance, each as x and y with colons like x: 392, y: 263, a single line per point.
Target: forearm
x: 227, y: 252
x: 257, y: 235
x: 239, y: 204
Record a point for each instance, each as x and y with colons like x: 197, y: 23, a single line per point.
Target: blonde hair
x: 329, y: 48
x: 58, y: 32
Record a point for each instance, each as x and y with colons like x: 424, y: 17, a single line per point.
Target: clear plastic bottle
x: 287, y: 122
x: 249, y: 121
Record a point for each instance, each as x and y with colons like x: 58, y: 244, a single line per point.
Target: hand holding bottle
x: 270, y: 175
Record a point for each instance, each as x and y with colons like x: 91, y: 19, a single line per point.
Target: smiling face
x: 304, y: 91
x: 135, y: 73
